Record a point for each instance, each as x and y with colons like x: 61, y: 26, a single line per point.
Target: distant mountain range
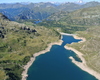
x: 41, y: 10
x: 19, y: 41
x: 80, y: 2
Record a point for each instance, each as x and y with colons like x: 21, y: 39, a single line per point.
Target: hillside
x: 86, y: 16
x: 36, y: 13
x: 59, y: 15
x: 89, y: 20
x: 18, y: 42
x: 91, y: 47
x: 91, y: 4
x: 78, y: 20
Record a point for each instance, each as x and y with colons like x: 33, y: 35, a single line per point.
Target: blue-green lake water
x: 56, y: 65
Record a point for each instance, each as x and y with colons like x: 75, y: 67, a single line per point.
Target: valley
x: 21, y: 37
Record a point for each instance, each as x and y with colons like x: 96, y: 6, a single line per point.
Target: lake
x: 56, y: 65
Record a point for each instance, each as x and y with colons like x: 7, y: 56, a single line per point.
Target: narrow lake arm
x: 32, y: 59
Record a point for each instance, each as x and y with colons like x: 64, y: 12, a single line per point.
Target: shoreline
x: 32, y: 59
x: 82, y: 64
x: 76, y: 37
x: 66, y: 34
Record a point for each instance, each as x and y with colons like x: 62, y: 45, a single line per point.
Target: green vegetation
x: 78, y: 20
x: 86, y: 16
x: 40, y: 10
x: 18, y: 42
x: 2, y: 75
x: 63, y: 26
x: 86, y: 22
x: 90, y: 48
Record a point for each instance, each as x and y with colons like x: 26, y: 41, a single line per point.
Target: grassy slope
x: 89, y: 17
x: 78, y: 20
x: 18, y: 44
x: 90, y: 48
x: 86, y: 16
x: 63, y: 26
x: 2, y: 75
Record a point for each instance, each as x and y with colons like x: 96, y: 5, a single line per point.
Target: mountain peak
x: 80, y: 1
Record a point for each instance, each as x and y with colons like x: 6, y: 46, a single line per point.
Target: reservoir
x: 56, y: 65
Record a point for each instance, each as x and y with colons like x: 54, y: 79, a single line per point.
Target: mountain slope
x: 86, y: 16
x: 40, y: 10
x: 59, y: 15
x: 18, y: 42
x: 68, y: 7
x: 71, y: 22
x: 91, y: 47
x: 36, y: 13
x: 91, y: 4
